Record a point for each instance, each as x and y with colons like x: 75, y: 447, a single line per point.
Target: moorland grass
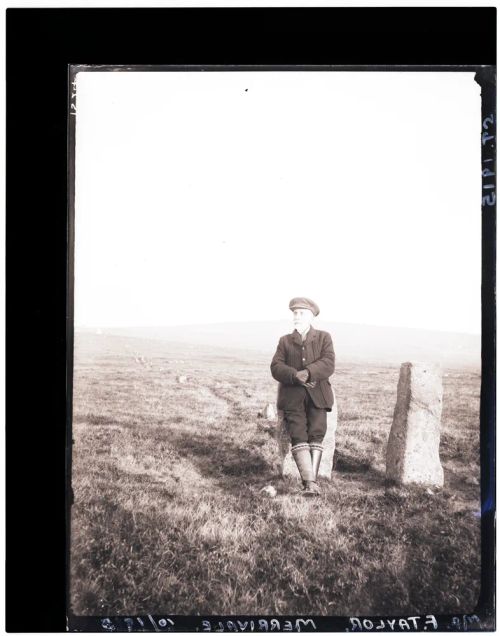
x: 168, y: 516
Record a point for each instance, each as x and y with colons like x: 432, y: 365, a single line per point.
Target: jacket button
x: 303, y: 359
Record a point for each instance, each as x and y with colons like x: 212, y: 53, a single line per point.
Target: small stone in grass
x: 268, y: 412
x: 268, y: 491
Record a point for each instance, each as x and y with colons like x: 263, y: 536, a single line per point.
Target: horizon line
x: 236, y: 322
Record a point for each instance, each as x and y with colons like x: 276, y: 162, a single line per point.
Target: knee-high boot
x: 316, y: 454
x: 302, y: 456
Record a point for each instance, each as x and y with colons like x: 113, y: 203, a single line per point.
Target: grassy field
x: 168, y: 517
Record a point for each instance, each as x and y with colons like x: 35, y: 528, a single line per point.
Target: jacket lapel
x: 296, y: 337
x: 311, y: 336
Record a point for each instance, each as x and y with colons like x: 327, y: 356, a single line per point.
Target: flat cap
x: 304, y: 303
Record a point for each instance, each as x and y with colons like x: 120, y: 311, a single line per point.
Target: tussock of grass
x: 168, y: 517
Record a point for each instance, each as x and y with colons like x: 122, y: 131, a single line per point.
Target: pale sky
x: 213, y: 197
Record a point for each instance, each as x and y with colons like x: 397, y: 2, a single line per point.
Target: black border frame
x: 41, y: 44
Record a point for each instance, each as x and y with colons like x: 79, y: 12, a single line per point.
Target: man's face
x: 302, y: 318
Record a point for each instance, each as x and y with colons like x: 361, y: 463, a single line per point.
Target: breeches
x: 305, y: 422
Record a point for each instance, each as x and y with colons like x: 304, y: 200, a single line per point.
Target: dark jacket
x: 316, y: 355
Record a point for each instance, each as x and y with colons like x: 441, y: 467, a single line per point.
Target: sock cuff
x: 316, y: 446
x: 300, y: 447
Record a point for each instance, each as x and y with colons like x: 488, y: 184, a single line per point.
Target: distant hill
x: 352, y: 342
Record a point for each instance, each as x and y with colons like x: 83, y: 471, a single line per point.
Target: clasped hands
x: 303, y: 377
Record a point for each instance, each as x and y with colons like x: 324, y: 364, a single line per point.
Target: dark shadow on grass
x: 344, y: 463
x: 358, y: 469
x: 232, y: 466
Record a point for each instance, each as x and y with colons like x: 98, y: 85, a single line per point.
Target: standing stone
x: 413, y: 446
x: 286, y: 465
x: 268, y: 412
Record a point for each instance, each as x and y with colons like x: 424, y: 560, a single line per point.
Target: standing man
x: 302, y: 364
